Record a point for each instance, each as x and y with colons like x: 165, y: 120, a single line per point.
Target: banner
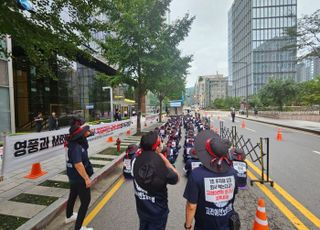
x: 24, y: 150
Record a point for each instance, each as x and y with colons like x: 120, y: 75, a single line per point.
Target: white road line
x: 251, y: 130
x: 317, y: 152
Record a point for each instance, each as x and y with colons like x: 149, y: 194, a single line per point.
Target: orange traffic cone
x: 279, y: 135
x: 243, y: 124
x: 110, y: 139
x: 35, y: 171
x: 129, y: 132
x: 260, y: 221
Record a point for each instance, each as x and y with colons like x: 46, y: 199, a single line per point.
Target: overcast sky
x: 208, y: 38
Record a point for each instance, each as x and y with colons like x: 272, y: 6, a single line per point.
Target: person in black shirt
x: 211, y: 188
x: 152, y: 172
x: 79, y: 170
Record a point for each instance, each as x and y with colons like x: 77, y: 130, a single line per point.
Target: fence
x: 258, y: 152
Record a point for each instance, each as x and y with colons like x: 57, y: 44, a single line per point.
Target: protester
x: 127, y: 160
x: 152, y: 172
x: 117, y: 115
x: 38, y: 122
x: 79, y: 170
x: 53, y: 122
x: 211, y: 188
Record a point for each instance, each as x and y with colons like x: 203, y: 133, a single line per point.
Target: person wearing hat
x: 127, y: 160
x: 79, y: 170
x: 192, y: 162
x: 151, y: 174
x: 211, y: 188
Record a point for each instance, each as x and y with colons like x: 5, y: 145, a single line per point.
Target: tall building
x: 210, y: 87
x: 308, y: 69
x: 257, y: 43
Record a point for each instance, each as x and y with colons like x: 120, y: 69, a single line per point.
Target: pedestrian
x: 255, y: 110
x: 53, y: 122
x: 117, y: 116
x: 125, y: 113
x: 152, y: 172
x: 38, y: 122
x: 211, y: 188
x: 127, y: 160
x: 79, y: 171
x: 233, y: 114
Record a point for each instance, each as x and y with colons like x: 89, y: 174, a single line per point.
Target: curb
x: 282, y: 125
x: 43, y: 218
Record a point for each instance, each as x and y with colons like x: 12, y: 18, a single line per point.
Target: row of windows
x: 273, y: 22
x: 274, y: 56
x: 267, y: 34
x: 279, y: 11
x: 273, y: 2
x: 278, y: 67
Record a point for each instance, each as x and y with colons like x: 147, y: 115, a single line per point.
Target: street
x: 287, y: 168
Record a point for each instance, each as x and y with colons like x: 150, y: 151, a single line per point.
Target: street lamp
x: 246, y: 66
x: 111, y: 100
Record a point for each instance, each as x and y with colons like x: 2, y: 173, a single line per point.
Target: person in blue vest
x: 151, y: 174
x: 211, y: 188
x: 79, y: 171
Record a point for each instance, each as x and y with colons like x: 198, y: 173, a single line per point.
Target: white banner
x: 23, y: 150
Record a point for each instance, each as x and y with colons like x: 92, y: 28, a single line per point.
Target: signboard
x: 175, y: 103
x: 24, y: 150
x: 89, y: 106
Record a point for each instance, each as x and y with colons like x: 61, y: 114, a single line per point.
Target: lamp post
x: 111, y: 100
x: 246, y: 72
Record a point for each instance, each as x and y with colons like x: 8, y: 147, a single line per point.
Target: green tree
x: 135, y: 25
x: 278, y: 92
x: 310, y: 92
x: 307, y: 34
x: 45, y: 35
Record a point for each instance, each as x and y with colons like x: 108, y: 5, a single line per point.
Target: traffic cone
x: 35, y: 171
x: 279, y: 135
x: 243, y: 124
x: 129, y: 132
x: 110, y: 139
x: 260, y: 220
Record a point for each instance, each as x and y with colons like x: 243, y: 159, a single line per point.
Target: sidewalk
x: 307, y: 126
x: 32, y: 202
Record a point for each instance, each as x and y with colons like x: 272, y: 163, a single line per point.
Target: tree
x: 135, y: 25
x: 308, y: 35
x: 57, y: 32
x: 310, y: 92
x: 278, y: 92
x: 170, y: 69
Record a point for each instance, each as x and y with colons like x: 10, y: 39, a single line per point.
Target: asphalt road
x: 120, y: 212
x: 294, y: 161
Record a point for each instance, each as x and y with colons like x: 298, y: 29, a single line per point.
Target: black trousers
x: 159, y: 224
x: 78, y: 189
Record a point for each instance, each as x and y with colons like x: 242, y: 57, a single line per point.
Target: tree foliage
x: 137, y: 28
x: 278, y: 92
x: 226, y: 103
x: 308, y: 35
x: 60, y: 28
x: 310, y: 92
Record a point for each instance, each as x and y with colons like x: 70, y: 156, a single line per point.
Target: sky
x: 208, y: 38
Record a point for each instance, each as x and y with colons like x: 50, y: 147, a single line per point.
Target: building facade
x: 258, y: 44
x: 210, y: 87
x: 308, y: 69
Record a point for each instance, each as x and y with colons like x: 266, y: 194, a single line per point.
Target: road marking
x: 308, y: 214
x: 251, y: 130
x: 296, y: 222
x: 316, y: 152
x: 103, y: 202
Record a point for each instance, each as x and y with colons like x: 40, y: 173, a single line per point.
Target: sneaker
x: 85, y: 228
x: 71, y: 218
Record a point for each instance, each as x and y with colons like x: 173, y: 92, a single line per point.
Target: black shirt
x: 152, y: 197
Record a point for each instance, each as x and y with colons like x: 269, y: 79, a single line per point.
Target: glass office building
x: 258, y: 44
